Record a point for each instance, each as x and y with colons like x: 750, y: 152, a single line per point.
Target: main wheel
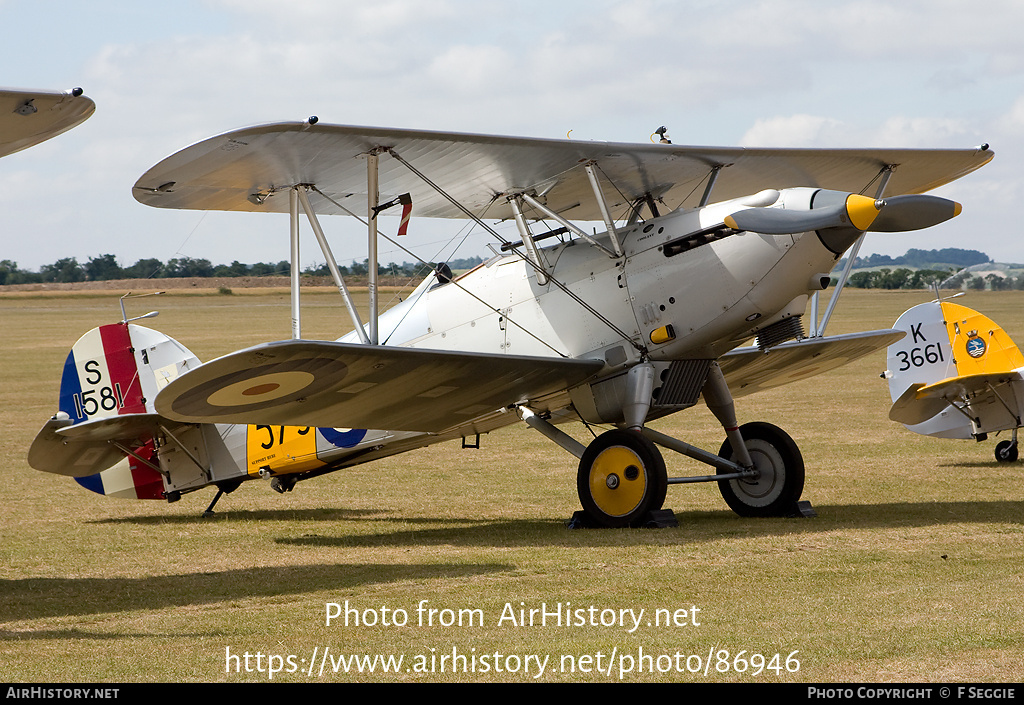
x: 1006, y: 451
x: 780, y: 482
x: 621, y: 477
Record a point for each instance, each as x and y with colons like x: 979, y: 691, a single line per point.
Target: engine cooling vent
x: 681, y: 383
x: 786, y: 329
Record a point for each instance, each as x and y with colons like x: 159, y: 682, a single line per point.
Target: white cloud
x: 794, y: 131
x: 472, y: 70
x: 926, y: 132
x: 1012, y: 121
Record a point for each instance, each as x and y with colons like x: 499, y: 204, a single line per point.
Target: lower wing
x: 749, y: 370
x: 319, y: 383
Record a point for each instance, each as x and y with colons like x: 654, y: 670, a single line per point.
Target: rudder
x: 110, y: 378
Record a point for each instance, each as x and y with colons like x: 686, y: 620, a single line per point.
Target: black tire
x: 778, y: 488
x: 1006, y: 452
x: 621, y: 477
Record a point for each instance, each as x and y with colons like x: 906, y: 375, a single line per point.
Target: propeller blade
x: 895, y: 214
x: 856, y: 211
x: 914, y: 212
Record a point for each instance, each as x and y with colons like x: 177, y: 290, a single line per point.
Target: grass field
x: 912, y: 570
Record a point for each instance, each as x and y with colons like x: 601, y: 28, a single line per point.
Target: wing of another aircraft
x: 749, y: 370
x: 314, y: 383
x: 30, y: 117
x: 252, y: 168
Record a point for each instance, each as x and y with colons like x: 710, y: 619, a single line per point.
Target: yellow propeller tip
x: 861, y: 210
x: 956, y: 209
x: 731, y: 223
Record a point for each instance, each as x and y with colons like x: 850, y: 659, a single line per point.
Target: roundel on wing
x: 343, y: 437
x: 260, y: 387
x: 267, y: 387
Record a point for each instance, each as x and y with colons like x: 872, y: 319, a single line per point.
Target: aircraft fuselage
x: 714, y: 295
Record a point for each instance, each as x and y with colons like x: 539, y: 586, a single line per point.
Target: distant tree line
x: 105, y: 268
x: 901, y: 278
x: 904, y: 278
x: 951, y: 256
x: 994, y: 282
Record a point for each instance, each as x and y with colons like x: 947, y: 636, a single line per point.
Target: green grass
x: 911, y: 571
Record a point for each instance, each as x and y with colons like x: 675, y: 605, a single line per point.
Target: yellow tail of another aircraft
x: 956, y: 374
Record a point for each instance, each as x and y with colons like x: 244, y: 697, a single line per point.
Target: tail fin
x: 110, y: 379
x: 924, y: 355
x: 979, y: 345
x: 944, y: 341
x: 117, y: 369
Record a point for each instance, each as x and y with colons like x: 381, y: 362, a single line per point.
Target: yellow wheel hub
x: 617, y: 481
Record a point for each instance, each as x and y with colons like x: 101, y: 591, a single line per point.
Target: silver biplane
x: 614, y: 329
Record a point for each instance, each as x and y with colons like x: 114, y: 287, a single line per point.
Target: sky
x: 781, y: 73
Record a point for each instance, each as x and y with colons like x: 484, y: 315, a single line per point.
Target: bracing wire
x: 561, y: 286
x: 453, y: 281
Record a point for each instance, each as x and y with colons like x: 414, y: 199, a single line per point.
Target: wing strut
x: 712, y: 179
x: 293, y: 211
x: 298, y: 195
x: 568, y: 292
x: 372, y: 200
x: 565, y: 223
x: 300, y: 192
x: 818, y: 329
x: 535, y: 254
x: 455, y: 282
x: 613, y: 234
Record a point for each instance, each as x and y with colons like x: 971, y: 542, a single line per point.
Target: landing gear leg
x: 222, y: 489
x: 622, y: 479
x: 719, y: 400
x: 778, y: 482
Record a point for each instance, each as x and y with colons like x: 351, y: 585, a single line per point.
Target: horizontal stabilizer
x: 117, y: 428
x: 910, y: 409
x: 921, y: 402
x: 79, y: 450
x: 313, y: 383
x: 967, y: 385
x: 748, y: 370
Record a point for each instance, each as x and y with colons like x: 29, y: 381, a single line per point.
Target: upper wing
x: 31, y: 117
x: 749, y: 370
x: 300, y: 383
x: 222, y: 172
